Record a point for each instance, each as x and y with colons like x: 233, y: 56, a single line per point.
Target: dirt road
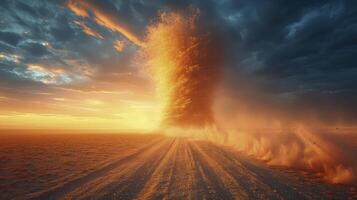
x: 178, y: 168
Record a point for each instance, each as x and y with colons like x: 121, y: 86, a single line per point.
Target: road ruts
x: 179, y: 168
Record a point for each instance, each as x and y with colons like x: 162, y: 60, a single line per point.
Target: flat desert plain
x: 137, y: 166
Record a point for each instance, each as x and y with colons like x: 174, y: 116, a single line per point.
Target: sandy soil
x: 37, y: 161
x: 150, y: 167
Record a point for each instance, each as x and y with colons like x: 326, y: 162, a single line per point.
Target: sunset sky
x: 75, y: 64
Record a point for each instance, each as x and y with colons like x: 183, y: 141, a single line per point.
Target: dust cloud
x: 185, y: 62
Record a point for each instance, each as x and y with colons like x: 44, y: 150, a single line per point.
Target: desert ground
x: 127, y: 166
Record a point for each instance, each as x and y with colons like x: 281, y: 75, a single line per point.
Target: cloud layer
x: 288, y: 62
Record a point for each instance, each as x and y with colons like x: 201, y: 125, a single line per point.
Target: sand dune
x: 179, y: 168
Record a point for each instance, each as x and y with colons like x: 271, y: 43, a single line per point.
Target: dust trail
x: 279, y: 138
x: 186, y: 67
x: 328, y: 154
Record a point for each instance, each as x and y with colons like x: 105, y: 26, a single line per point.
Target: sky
x: 75, y: 65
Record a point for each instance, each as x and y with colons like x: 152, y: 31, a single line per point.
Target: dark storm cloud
x: 302, y: 50
x: 26, y: 8
x: 290, y: 40
x: 62, y: 31
x: 10, y: 38
x: 298, y: 53
x: 35, y: 49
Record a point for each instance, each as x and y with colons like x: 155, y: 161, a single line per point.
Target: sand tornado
x: 185, y: 66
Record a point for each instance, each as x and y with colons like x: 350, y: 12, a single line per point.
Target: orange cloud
x: 113, y: 24
x: 51, y: 75
x: 77, y: 8
x: 88, y: 30
x: 81, y: 8
x: 56, y: 71
x: 119, y: 45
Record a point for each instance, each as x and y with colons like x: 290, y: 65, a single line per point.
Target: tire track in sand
x: 178, y: 168
x: 125, y: 181
x: 64, y: 190
x: 175, y: 176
